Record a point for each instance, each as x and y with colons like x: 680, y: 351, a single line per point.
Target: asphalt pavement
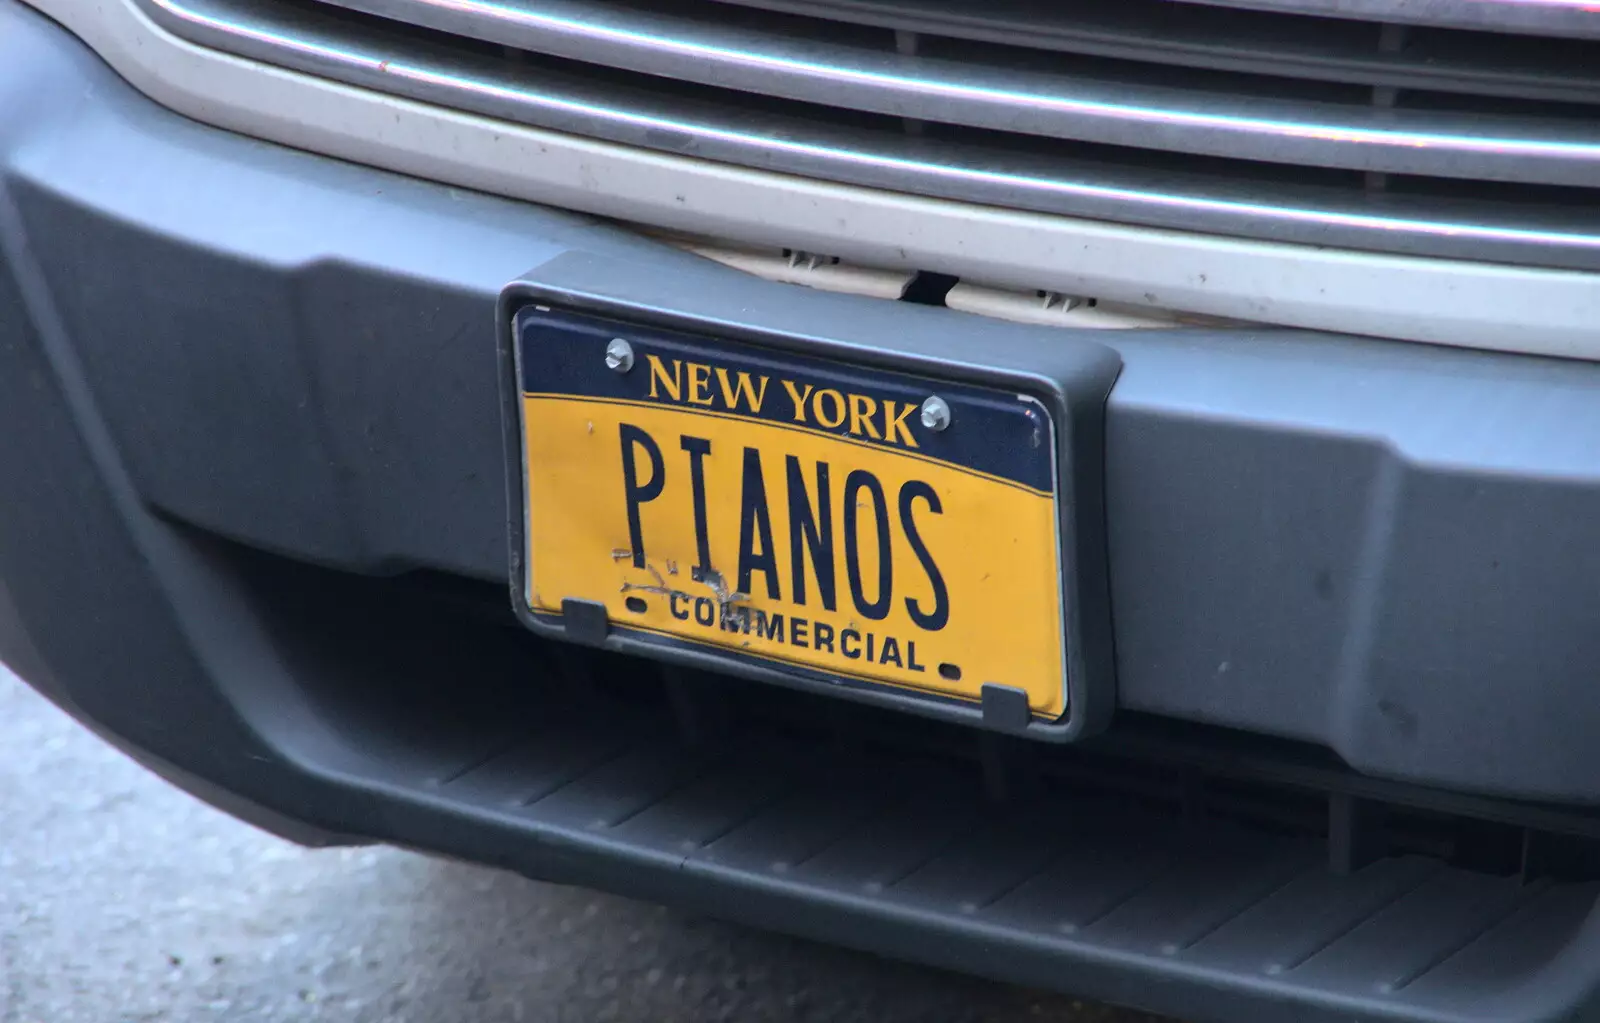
x: 123, y: 899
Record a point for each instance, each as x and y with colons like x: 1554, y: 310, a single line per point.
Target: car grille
x: 1416, y: 139
x: 1188, y: 852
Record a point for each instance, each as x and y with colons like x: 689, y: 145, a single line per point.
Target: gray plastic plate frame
x: 1069, y: 373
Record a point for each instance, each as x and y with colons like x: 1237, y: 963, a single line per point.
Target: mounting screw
x: 619, y: 355
x: 935, y: 413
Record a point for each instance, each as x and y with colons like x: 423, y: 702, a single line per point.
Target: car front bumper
x: 218, y: 352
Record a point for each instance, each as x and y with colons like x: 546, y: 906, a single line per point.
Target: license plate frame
x: 1068, y: 397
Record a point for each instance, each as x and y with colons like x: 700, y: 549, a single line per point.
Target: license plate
x: 800, y: 513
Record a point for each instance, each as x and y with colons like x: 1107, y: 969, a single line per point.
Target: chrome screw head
x: 935, y: 413
x: 619, y: 355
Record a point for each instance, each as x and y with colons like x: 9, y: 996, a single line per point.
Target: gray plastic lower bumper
x: 1389, y: 549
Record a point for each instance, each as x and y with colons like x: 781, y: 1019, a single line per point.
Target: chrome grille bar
x: 707, y: 52
x: 1576, y: 18
x: 1198, y: 35
x: 716, y: 123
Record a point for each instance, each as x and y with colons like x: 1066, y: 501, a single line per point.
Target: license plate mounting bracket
x: 1068, y: 373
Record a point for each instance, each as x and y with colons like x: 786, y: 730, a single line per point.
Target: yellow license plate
x: 793, y: 512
